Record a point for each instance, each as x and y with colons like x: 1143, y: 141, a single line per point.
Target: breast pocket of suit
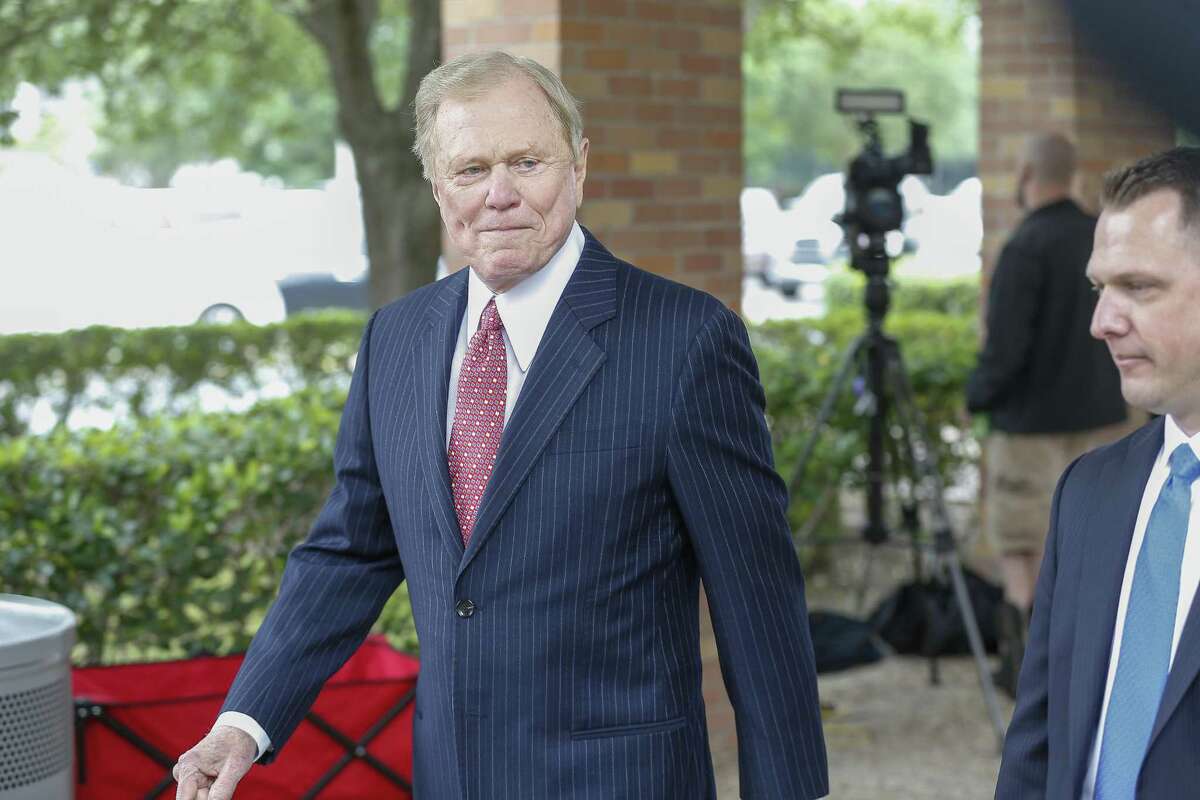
x: 597, y: 438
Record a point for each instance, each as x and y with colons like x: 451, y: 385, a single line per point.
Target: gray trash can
x: 35, y: 699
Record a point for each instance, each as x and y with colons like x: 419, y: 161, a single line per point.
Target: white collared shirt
x: 525, y: 311
x: 1189, y: 574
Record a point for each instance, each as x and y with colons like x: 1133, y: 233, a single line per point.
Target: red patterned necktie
x: 478, y: 417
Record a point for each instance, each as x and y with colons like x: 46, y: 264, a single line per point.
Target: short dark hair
x: 1177, y: 169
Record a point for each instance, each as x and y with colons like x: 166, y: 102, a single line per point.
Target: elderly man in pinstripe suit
x: 554, y: 449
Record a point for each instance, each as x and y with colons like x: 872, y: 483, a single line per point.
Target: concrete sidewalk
x: 889, y: 733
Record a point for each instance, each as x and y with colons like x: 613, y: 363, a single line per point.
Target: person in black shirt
x: 1051, y: 390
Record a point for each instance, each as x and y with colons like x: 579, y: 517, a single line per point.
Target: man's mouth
x: 1124, y: 361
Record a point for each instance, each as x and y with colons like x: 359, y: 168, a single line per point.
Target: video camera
x: 873, y: 203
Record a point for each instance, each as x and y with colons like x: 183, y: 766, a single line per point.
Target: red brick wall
x: 661, y: 89
x: 1036, y: 76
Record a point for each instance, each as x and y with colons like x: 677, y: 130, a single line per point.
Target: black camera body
x: 873, y: 203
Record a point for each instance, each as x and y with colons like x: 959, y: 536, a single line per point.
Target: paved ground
x: 890, y: 734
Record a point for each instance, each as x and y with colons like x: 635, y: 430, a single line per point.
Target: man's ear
x: 581, y: 171
x: 437, y: 194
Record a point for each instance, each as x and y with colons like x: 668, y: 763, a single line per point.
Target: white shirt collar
x: 525, y: 309
x: 1173, y: 436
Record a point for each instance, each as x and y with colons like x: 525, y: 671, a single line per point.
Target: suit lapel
x: 566, y: 361
x: 1108, y: 527
x: 443, y: 319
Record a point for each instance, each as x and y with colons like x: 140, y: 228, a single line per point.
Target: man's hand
x: 211, y: 770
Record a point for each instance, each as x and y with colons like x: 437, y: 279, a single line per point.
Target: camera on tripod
x: 873, y: 203
x: 899, y: 450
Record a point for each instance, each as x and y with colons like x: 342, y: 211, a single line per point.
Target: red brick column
x: 661, y: 89
x: 1035, y: 75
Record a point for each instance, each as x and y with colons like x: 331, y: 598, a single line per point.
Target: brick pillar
x: 1035, y: 75
x: 662, y: 105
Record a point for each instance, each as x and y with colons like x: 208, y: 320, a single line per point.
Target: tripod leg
x: 944, y: 544
x: 860, y: 596
x: 907, y: 481
x: 976, y: 642
x: 810, y: 523
x: 849, y: 360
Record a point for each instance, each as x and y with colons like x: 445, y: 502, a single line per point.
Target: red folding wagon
x: 134, y: 720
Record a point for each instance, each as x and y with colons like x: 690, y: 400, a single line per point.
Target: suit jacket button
x: 465, y: 608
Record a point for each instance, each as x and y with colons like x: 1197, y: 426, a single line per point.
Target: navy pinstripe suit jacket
x: 1065, y: 668
x: 635, y: 464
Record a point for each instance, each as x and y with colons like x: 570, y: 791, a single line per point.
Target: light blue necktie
x: 1146, y: 641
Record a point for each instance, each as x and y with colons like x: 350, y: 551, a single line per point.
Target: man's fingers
x: 211, y: 770
x: 191, y: 775
x: 236, y: 765
x: 190, y: 781
x: 226, y: 782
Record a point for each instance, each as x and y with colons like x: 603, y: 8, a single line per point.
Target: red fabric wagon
x: 133, y: 721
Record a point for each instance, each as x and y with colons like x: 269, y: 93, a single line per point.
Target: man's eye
x: 470, y: 172
x: 527, y: 163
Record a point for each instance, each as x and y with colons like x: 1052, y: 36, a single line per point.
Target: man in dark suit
x: 1108, y: 704
x: 1050, y: 390
x: 553, y: 448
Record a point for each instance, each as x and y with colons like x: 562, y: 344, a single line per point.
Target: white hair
x: 472, y: 75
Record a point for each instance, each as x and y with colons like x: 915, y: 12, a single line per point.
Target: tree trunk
x: 400, y: 219
x: 399, y: 215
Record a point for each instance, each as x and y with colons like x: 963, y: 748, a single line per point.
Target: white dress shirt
x: 1189, y: 574
x: 525, y: 311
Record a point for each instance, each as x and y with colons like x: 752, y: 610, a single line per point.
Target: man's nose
x: 1108, y: 319
x: 502, y: 191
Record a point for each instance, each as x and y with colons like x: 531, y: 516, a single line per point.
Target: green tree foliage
x: 259, y: 93
x: 271, y: 83
x: 799, y: 51
x: 183, y: 82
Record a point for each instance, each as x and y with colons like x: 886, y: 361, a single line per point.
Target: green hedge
x: 798, y: 361
x: 141, y: 372
x: 167, y: 535
x: 957, y: 297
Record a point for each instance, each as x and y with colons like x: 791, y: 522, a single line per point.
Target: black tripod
x: 888, y: 400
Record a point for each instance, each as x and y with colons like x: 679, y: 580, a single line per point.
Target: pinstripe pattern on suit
x: 636, y: 463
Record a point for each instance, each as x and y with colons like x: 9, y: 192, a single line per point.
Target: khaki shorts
x: 1022, y: 471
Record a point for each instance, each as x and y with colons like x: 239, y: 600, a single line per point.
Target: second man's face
x: 505, y: 181
x: 1146, y: 268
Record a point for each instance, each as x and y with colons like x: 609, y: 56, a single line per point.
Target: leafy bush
x: 957, y: 297
x: 153, y: 370
x: 167, y: 537
x: 798, y: 361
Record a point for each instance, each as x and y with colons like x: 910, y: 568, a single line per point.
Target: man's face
x: 505, y: 181
x: 1146, y: 267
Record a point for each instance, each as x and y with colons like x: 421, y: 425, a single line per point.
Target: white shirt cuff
x: 236, y: 719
